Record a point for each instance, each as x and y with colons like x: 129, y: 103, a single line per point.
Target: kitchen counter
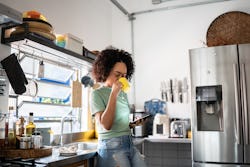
x: 56, y: 160
x: 82, y: 154
x: 163, y: 139
x: 89, y: 154
x: 86, y: 153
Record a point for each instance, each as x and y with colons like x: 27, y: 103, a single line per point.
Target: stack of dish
x: 35, y: 24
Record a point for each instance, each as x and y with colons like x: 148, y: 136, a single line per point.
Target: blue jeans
x: 119, y: 152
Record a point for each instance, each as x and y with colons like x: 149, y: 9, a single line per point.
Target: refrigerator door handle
x: 245, y: 107
x: 237, y: 106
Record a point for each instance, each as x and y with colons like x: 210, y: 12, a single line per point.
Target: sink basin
x: 79, y: 146
x: 87, y: 146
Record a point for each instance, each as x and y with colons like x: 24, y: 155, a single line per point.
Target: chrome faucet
x: 62, y: 126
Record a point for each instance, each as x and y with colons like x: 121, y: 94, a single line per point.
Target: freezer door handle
x: 237, y: 106
x: 244, y: 104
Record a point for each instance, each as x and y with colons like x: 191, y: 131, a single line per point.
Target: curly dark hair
x: 107, y: 59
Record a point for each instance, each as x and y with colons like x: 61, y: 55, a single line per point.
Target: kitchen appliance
x: 139, y: 131
x: 177, y: 129
x: 220, y: 103
x: 161, y: 125
x: 153, y: 107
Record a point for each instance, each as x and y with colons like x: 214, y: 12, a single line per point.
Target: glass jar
x: 25, y: 142
x: 36, y: 140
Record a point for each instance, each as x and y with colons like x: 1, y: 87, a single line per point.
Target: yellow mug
x: 125, y: 84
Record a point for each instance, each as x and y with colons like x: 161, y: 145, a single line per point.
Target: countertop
x: 56, y: 160
x: 86, y: 150
x: 164, y: 139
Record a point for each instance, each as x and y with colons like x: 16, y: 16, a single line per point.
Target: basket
x: 229, y: 28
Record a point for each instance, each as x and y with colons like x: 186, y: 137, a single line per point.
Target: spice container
x: 36, y: 140
x: 25, y: 142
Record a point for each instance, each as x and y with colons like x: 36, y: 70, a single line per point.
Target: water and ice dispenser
x: 209, y: 108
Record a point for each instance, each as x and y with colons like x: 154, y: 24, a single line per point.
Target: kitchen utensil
x: 15, y: 74
x: 41, y: 70
x: 87, y: 81
x: 31, y: 88
x: 76, y: 93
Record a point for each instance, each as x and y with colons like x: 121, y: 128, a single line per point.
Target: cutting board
x: 76, y: 93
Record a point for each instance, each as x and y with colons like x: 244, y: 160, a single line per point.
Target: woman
x: 111, y: 109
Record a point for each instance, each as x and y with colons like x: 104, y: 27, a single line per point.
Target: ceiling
x: 144, y: 6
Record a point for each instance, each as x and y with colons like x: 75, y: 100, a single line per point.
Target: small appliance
x: 178, y: 129
x: 161, y: 125
x: 139, y: 131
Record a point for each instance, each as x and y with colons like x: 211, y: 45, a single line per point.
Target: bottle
x: 6, y: 141
x: 19, y: 130
x: 12, y: 131
x: 30, y: 127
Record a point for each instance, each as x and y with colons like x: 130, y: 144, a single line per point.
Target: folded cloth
x: 15, y: 74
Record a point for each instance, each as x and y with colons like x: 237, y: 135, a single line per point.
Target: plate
x: 47, y: 34
x: 36, y: 20
x: 39, y: 25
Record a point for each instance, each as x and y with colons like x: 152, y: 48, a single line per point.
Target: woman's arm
x: 106, y: 117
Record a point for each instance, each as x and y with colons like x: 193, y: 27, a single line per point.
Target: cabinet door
x: 244, y: 63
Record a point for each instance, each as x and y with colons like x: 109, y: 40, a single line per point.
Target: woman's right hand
x: 116, y: 87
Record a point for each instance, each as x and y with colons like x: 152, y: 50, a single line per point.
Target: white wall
x: 90, y: 20
x: 162, y: 40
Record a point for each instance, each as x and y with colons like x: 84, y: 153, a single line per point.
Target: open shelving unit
x: 34, y: 46
x: 31, y: 42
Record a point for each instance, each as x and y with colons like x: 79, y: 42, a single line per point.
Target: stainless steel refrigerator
x: 220, y: 90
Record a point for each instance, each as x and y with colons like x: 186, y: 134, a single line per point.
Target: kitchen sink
x: 74, y: 148
x: 87, y: 146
